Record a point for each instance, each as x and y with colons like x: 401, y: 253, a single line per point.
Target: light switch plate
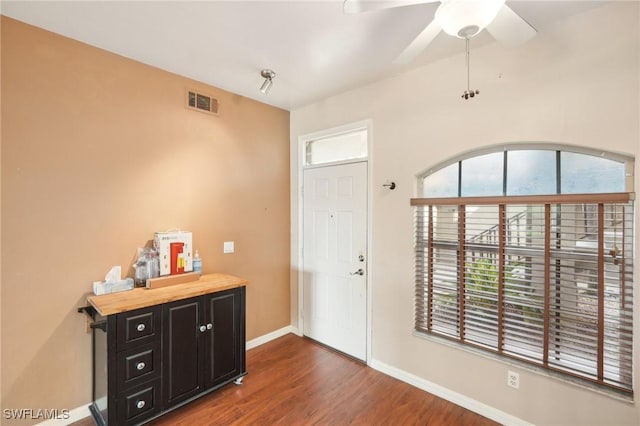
x: 229, y: 247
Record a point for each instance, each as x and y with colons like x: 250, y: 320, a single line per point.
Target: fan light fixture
x: 268, y: 76
x: 466, y: 18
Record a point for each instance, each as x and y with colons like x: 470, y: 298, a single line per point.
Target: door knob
x: 209, y: 326
x: 203, y: 328
x: 358, y: 272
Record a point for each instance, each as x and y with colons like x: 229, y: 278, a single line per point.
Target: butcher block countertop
x: 114, y: 303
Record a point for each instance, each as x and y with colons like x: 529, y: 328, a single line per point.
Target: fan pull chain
x: 467, y: 62
x: 469, y: 93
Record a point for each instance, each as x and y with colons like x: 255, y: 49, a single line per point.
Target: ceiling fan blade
x: 359, y: 6
x: 418, y: 44
x: 510, y: 29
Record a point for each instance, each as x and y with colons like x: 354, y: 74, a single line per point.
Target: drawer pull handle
x: 141, y: 365
x: 209, y: 326
x: 140, y: 404
x: 203, y: 328
x: 141, y: 327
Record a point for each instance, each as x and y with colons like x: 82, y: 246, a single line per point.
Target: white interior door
x: 334, y: 257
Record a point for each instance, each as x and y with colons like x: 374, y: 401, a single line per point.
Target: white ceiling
x: 314, y: 48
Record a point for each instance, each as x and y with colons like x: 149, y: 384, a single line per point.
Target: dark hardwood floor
x: 296, y: 381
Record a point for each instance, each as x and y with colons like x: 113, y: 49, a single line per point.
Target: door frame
x: 301, y: 155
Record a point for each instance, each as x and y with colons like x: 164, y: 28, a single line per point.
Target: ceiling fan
x: 459, y: 18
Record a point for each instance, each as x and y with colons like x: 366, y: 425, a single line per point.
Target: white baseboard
x: 74, y: 415
x: 271, y: 336
x: 451, y: 396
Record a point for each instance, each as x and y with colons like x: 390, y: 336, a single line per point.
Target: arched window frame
x: 627, y: 161
x: 454, y: 301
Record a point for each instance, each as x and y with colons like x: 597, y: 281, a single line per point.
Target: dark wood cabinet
x: 126, y: 366
x: 152, y: 360
x: 182, y: 351
x: 202, y: 344
x: 224, y: 358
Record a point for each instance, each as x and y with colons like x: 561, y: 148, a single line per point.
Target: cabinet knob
x: 141, y: 327
x: 140, y: 404
x: 141, y: 365
x: 203, y: 328
x: 209, y: 326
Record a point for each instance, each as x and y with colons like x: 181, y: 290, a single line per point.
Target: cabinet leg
x: 238, y: 381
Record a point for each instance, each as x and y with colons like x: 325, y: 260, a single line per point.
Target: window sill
x: 528, y: 367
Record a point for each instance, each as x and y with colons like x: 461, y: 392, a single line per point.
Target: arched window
x: 522, y: 170
x: 528, y: 253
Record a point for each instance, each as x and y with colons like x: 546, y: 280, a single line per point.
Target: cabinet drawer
x: 138, y: 327
x: 138, y: 365
x: 139, y: 403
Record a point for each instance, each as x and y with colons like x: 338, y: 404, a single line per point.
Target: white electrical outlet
x: 513, y: 379
x: 228, y: 247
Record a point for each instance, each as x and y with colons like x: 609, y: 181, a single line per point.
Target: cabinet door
x: 225, y: 345
x: 182, y: 351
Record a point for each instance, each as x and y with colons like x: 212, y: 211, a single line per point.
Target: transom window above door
x: 341, y: 147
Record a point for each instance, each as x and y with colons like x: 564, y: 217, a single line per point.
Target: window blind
x: 544, y: 279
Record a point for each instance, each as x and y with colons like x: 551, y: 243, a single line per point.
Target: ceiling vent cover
x: 201, y: 102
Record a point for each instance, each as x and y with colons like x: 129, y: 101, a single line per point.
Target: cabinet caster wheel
x: 238, y: 381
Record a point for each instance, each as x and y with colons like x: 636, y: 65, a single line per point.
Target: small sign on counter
x: 175, y: 251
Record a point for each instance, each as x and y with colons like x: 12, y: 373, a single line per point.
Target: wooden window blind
x: 544, y: 279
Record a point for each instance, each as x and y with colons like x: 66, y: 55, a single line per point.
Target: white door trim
x: 365, y: 124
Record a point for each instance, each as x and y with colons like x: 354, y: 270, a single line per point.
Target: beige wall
x: 98, y: 152
x: 576, y: 83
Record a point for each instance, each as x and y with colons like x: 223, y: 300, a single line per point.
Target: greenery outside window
x: 543, y: 278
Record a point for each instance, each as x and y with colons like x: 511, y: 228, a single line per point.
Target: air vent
x: 201, y: 102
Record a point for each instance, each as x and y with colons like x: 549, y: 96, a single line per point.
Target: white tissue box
x: 162, y: 243
x: 112, y: 286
